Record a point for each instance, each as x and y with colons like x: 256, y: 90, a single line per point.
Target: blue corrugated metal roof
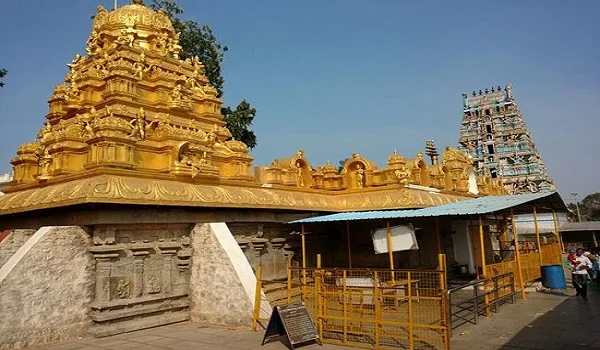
x: 481, y: 205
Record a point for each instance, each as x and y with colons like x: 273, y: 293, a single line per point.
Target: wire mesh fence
x: 376, y: 308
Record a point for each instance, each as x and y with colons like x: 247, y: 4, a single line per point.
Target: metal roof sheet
x: 481, y: 205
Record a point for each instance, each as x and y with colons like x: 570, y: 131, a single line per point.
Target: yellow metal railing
x: 377, y: 308
x: 530, y: 263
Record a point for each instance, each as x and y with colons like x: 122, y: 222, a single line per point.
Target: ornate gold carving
x: 360, y: 175
x: 139, y: 125
x: 402, y: 174
x: 119, y: 189
x: 44, y: 162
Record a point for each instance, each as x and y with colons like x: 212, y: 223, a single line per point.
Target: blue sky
x: 334, y: 77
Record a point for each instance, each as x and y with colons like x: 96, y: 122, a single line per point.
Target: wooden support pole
x: 409, y: 283
x: 557, y: 231
x: 377, y: 308
x: 537, y: 235
x: 481, y: 247
x: 438, y: 235
x: 289, y: 279
x: 444, y: 300
x: 486, y: 299
x: 257, y: 298
x: 390, y: 252
x: 319, y: 297
x: 518, y: 256
x: 303, y: 263
x: 348, y: 239
x: 303, y: 247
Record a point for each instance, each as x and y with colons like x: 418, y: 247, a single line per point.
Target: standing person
x: 579, y: 273
x: 595, y: 259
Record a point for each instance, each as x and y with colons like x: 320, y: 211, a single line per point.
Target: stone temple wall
x: 120, y: 278
x: 217, y: 291
x: 10, y: 244
x: 266, y: 245
x: 141, y: 277
x: 46, y: 296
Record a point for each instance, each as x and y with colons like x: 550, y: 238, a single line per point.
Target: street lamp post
x: 575, y: 194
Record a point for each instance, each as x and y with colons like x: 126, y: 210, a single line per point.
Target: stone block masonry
x: 221, y: 281
x: 46, y: 296
x: 14, y: 241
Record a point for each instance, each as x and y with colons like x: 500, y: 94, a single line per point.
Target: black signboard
x: 293, y: 321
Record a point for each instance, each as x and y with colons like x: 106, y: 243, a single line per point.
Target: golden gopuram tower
x: 135, y: 160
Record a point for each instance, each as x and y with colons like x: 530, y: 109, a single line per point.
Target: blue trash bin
x: 553, y: 277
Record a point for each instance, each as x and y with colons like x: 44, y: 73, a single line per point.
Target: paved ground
x: 547, y: 320
x: 183, y: 336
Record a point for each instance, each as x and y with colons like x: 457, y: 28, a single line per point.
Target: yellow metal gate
x: 370, y: 308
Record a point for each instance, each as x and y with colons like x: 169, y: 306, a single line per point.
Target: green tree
x: 589, y: 208
x: 199, y: 40
x: 2, y: 74
x: 341, y: 164
x: 239, y: 120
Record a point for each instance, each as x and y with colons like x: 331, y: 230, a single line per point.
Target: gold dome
x: 137, y: 15
x: 329, y: 168
x: 395, y: 158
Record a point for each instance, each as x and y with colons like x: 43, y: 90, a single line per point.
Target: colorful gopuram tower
x: 494, y: 133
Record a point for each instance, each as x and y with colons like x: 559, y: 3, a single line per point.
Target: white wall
x: 462, y: 244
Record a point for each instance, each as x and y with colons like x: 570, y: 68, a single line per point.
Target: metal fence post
x: 377, y: 307
x: 512, y: 288
x: 449, y: 315
x: 410, y: 312
x: 496, y: 294
x: 476, y: 305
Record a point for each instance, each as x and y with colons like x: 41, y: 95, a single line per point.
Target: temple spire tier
x: 131, y: 103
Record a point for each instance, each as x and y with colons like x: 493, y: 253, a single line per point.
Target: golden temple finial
x: 137, y: 2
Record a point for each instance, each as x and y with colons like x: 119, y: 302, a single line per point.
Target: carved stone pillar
x: 102, y: 279
x: 168, y: 250
x: 139, y: 254
x: 104, y: 257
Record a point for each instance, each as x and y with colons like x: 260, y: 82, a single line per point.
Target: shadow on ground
x: 546, y: 320
x: 572, y: 324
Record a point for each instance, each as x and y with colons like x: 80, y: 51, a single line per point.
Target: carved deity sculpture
x: 299, y: 177
x: 139, y: 125
x: 360, y: 176
x: 44, y: 132
x: 198, y: 67
x: 87, y: 127
x: 44, y: 161
x: 419, y: 157
x: 465, y: 101
x: 194, y: 162
x: 93, y: 43
x: 176, y: 94
x: 402, y: 174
